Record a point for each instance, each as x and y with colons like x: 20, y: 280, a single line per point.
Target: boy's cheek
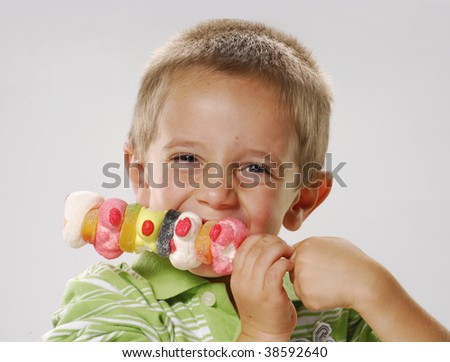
x: 165, y: 198
x: 143, y: 196
x: 264, y: 224
x: 266, y: 208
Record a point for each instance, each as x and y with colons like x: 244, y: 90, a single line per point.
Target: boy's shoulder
x: 149, y: 301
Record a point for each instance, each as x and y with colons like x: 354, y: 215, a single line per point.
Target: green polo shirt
x: 153, y: 301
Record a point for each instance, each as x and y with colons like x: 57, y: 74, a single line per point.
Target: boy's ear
x: 307, y: 200
x: 136, y: 174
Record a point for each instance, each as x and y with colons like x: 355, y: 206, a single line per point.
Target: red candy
x: 215, y: 232
x: 115, y: 217
x: 147, y: 228
x: 173, y: 247
x: 183, y: 227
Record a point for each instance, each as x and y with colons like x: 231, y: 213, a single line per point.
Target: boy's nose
x: 217, y: 194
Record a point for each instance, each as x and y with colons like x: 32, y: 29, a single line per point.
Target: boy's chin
x: 205, y: 271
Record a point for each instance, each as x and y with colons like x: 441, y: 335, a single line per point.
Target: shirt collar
x: 168, y: 282
x: 165, y: 279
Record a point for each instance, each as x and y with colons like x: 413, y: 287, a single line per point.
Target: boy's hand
x: 265, y: 310
x: 332, y: 273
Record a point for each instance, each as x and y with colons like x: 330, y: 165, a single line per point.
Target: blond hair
x: 242, y: 48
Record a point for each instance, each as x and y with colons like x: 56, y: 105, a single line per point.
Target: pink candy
x: 110, y: 218
x: 226, y: 236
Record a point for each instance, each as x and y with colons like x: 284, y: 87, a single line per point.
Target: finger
x: 241, y: 276
x: 254, y: 259
x: 271, y: 252
x: 249, y: 251
x: 274, y: 277
x: 293, y: 274
x: 240, y: 260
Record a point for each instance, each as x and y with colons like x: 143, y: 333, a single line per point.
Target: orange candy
x: 203, y: 243
x: 89, y: 227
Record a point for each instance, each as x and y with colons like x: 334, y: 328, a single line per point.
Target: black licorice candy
x: 166, y: 233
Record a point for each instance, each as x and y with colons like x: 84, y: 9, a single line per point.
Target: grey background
x: 69, y: 72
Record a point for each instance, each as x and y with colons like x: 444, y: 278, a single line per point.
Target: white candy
x: 183, y: 257
x: 77, y: 206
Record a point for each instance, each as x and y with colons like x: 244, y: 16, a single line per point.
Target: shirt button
x: 208, y: 299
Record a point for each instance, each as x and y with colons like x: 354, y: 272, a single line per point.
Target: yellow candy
x: 147, y: 228
x: 89, y: 227
x: 128, y: 233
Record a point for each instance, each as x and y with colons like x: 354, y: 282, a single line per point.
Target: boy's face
x: 223, y: 126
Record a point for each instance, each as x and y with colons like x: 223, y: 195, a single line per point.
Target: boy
x: 236, y: 93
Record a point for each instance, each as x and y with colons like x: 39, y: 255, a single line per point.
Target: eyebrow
x: 263, y: 155
x: 178, y: 142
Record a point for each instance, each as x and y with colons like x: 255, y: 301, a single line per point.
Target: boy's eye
x: 257, y: 168
x: 185, y: 158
